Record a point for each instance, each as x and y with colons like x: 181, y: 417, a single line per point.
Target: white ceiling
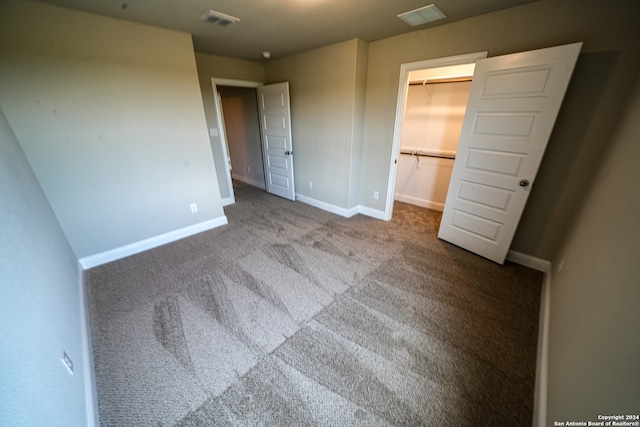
x: 283, y: 27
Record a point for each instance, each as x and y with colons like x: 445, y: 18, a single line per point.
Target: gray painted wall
x: 359, y: 99
x: 109, y: 114
x: 327, y: 101
x: 594, y: 345
x: 40, y: 303
x: 210, y: 66
x: 592, y: 106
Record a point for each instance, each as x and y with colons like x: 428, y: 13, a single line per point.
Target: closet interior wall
x: 431, y: 128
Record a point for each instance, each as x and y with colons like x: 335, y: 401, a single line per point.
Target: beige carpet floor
x: 292, y: 316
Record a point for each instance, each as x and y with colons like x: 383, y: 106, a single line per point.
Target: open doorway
x: 431, y: 94
x: 259, y: 118
x: 238, y: 159
x: 241, y: 129
x: 431, y: 128
x: 512, y: 106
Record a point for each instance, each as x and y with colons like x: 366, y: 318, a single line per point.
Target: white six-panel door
x: 275, y: 123
x: 513, y: 104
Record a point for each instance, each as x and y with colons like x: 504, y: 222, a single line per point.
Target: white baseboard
x: 249, y: 181
x: 90, y: 391
x: 542, y: 365
x: 228, y: 200
x: 347, y: 213
x: 529, y: 261
x: 373, y: 213
x: 150, y: 243
x: 429, y: 204
x: 91, y: 402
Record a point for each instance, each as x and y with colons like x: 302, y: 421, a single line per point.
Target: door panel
x: 276, y: 142
x: 513, y: 104
x: 275, y: 122
x: 487, y: 195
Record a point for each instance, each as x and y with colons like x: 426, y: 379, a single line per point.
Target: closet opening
x: 432, y: 100
x: 431, y: 129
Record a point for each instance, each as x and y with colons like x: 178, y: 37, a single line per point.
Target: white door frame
x: 215, y: 82
x: 403, y: 88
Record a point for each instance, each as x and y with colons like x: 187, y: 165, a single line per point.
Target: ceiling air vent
x: 219, y: 18
x: 422, y: 15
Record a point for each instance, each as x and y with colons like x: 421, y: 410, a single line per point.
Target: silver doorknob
x: 524, y: 183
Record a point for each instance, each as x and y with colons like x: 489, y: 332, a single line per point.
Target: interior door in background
x: 513, y: 104
x: 277, y: 148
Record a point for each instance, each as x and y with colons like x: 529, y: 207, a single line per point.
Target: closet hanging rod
x: 439, y: 155
x: 436, y: 81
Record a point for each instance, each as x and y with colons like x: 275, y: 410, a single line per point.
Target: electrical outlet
x: 67, y: 362
x: 376, y: 195
x: 310, y: 185
x: 194, y: 207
